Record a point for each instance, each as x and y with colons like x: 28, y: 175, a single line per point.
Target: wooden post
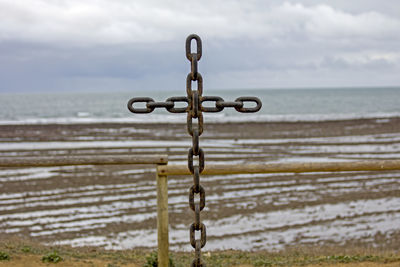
x: 162, y: 220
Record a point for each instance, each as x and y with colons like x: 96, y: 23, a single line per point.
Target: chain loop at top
x: 188, y: 48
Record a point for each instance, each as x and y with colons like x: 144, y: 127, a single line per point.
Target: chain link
x: 176, y: 99
x: 199, y: 47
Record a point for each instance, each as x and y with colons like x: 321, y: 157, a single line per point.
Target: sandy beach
x: 114, y: 206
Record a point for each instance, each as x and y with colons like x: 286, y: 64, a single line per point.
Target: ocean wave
x: 211, y: 118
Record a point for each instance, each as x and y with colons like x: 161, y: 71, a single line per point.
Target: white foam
x: 214, y: 118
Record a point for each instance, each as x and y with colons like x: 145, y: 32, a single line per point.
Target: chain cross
x: 194, y: 110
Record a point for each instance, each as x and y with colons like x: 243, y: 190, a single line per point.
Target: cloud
x: 121, y: 44
x: 323, y: 21
x: 370, y: 59
x: 99, y: 22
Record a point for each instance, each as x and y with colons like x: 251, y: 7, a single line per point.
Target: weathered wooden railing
x: 163, y: 170
x: 295, y: 167
x: 221, y: 169
x: 162, y: 192
x: 82, y: 160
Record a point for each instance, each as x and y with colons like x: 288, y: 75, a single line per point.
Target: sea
x: 114, y: 207
x: 277, y: 105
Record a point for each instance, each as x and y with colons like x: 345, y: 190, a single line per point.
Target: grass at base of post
x: 28, y: 253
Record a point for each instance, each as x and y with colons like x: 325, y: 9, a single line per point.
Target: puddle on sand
x: 271, y: 230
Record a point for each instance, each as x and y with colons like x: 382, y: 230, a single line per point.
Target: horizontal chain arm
x: 219, y: 104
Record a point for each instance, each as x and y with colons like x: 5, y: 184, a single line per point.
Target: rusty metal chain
x: 195, y: 130
x: 219, y: 104
x: 194, y: 109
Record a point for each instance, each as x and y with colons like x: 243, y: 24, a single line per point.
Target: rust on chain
x: 176, y: 99
x: 195, y: 103
x: 244, y: 99
x: 194, y: 72
x: 190, y: 160
x: 196, y: 179
x: 189, y: 80
x: 195, y: 130
x: 153, y: 105
x: 202, y: 193
x: 195, y: 142
x: 228, y: 104
x: 203, y: 236
x: 199, y: 47
x: 214, y: 99
x: 194, y: 108
x: 189, y: 123
x: 140, y: 100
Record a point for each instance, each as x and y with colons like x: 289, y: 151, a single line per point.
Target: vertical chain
x: 195, y: 130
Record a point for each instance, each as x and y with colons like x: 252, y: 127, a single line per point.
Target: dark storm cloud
x: 139, y: 45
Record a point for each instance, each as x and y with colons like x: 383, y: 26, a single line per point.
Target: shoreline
x: 209, y: 119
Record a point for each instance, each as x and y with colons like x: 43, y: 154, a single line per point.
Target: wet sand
x: 114, y: 206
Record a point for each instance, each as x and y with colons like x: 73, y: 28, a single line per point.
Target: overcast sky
x: 75, y: 45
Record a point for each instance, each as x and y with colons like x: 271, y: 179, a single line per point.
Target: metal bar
x: 215, y: 169
x: 162, y: 220
x: 81, y: 160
